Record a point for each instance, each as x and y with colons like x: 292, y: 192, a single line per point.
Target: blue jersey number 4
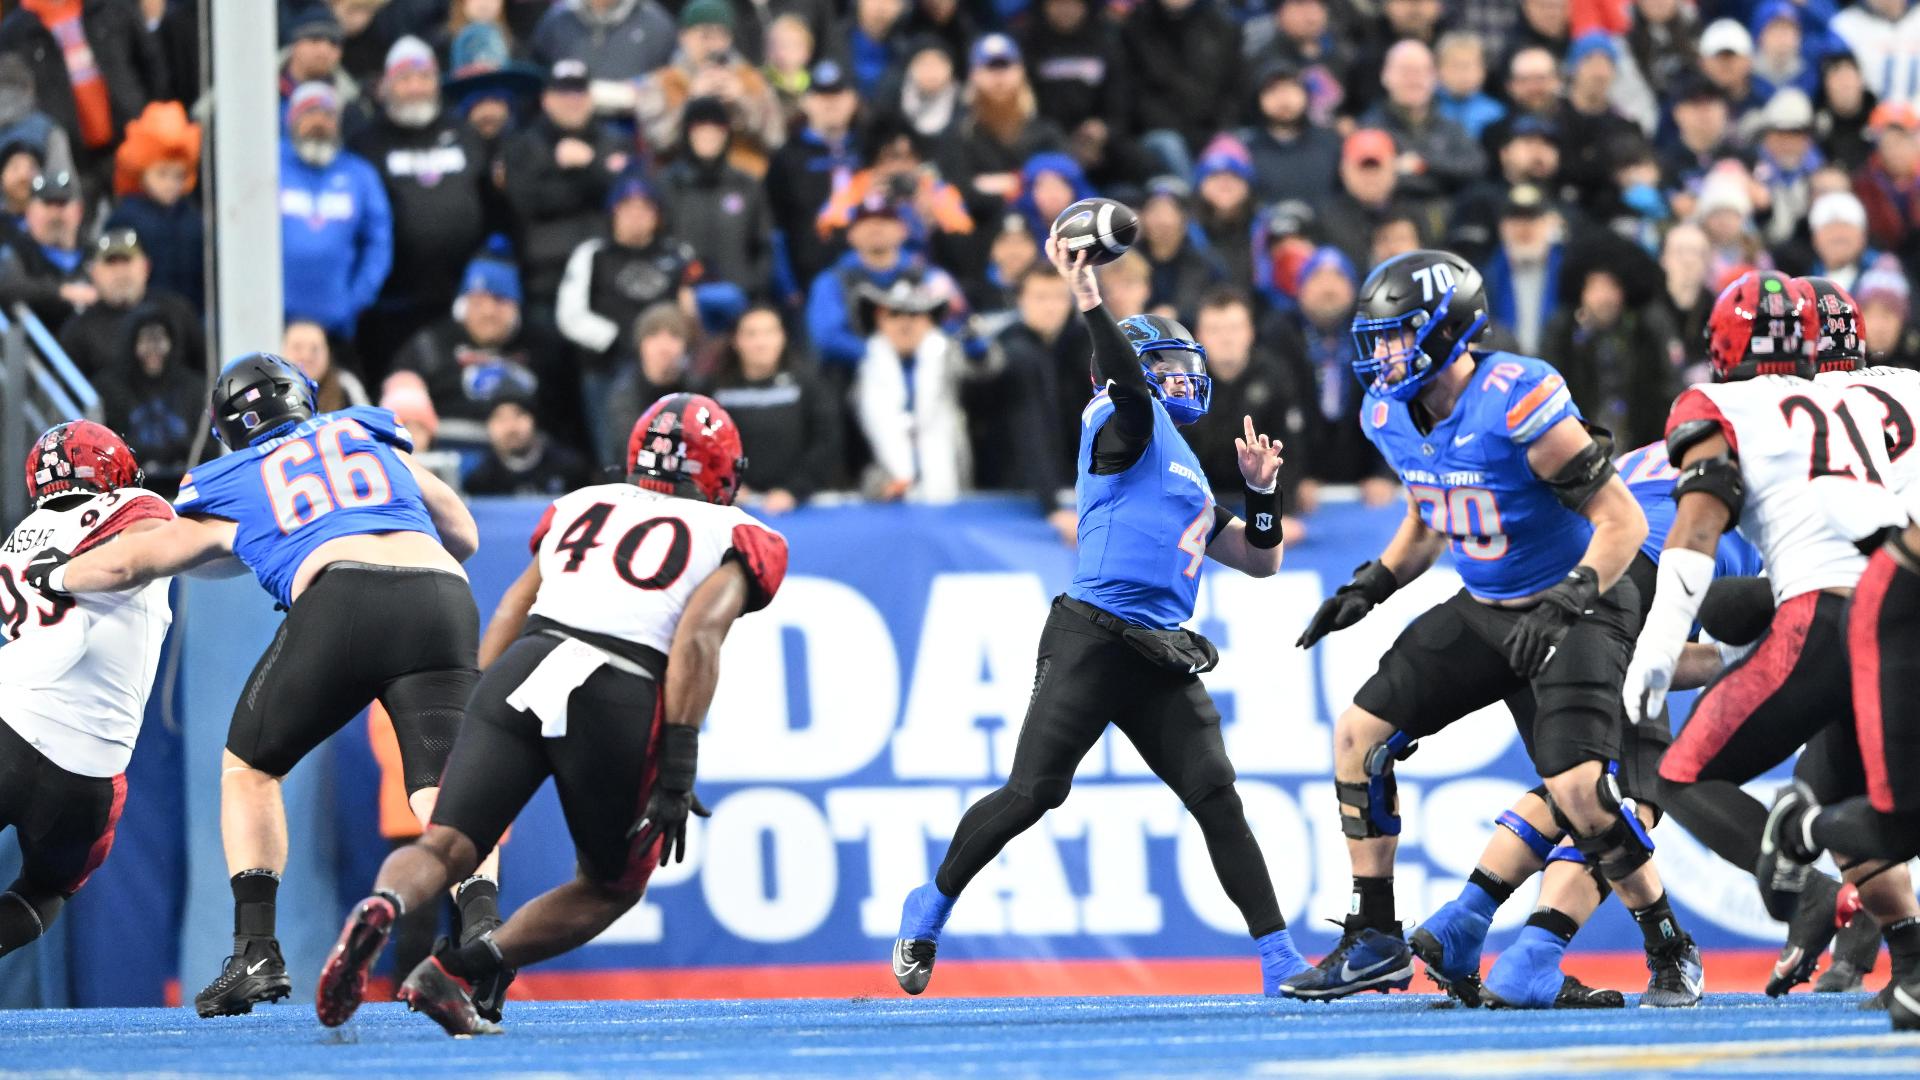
x: 347, y: 480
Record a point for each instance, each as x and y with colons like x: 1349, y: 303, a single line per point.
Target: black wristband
x: 1263, y: 518
x: 679, y: 757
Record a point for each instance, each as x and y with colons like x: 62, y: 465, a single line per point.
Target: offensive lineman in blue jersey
x: 363, y: 547
x: 1721, y: 815
x: 1498, y: 465
x: 1113, y: 651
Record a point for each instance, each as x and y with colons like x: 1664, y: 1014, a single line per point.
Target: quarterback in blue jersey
x: 1499, y: 467
x: 363, y: 547
x: 1113, y: 651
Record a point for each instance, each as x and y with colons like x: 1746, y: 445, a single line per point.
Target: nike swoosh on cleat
x: 900, y: 972
x: 256, y: 966
x: 1348, y: 974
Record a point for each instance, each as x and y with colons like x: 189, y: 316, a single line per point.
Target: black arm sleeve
x: 1122, y: 439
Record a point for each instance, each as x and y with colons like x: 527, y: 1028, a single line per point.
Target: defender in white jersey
x: 75, y: 673
x: 600, y: 663
x: 1802, y: 467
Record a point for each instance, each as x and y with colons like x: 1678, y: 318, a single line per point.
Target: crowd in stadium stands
x: 518, y: 222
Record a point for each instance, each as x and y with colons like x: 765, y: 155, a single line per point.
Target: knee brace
x: 1621, y: 848
x: 1568, y: 854
x: 1530, y: 836
x: 1378, y: 798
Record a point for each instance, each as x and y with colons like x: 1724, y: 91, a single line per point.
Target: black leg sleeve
x: 1855, y: 828
x: 1718, y: 814
x: 1237, y: 860
x: 986, y: 828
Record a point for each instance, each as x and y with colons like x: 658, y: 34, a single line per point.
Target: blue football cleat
x: 1279, y: 961
x: 1449, y: 943
x: 1365, y: 959
x: 1527, y: 976
x: 921, y: 918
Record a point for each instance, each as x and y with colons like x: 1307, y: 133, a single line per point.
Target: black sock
x: 479, y: 901
x: 1557, y: 923
x: 1658, y: 927
x: 1372, y: 904
x: 253, y: 902
x: 1903, y: 945
x: 1490, y: 884
x: 475, y: 961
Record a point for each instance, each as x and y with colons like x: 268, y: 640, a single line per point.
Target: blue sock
x: 1279, y: 959
x: 925, y: 913
x: 1479, y: 901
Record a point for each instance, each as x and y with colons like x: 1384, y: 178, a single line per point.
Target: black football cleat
x: 430, y: 989
x: 1808, y: 934
x: 1903, y: 1005
x: 343, y: 980
x: 1573, y: 994
x: 1855, y: 950
x: 255, y: 974
x: 913, y: 963
x: 1782, y: 871
x: 1676, y: 978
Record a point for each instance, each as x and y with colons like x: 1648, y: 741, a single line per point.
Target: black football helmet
x: 258, y: 396
x: 1419, y: 311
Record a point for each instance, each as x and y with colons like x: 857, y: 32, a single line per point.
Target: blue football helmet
x: 258, y: 396
x: 1417, y: 312
x: 1165, y: 343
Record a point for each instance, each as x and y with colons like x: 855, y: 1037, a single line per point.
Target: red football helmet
x: 79, y: 456
x: 1760, y: 326
x: 1834, y: 322
x: 686, y: 445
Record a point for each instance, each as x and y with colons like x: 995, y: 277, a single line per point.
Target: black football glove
x: 1371, y: 584
x: 672, y: 799
x: 41, y: 566
x: 1533, y: 638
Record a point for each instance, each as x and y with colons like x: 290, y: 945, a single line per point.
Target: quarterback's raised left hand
x: 40, y: 570
x: 1260, y: 459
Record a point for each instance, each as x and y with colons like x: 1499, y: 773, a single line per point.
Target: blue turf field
x: 1401, y: 1037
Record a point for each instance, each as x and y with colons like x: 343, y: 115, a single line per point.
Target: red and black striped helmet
x: 687, y: 445
x: 79, y: 456
x: 1834, y: 321
x: 1760, y: 326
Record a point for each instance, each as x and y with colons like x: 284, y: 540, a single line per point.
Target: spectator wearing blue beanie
x: 336, y: 228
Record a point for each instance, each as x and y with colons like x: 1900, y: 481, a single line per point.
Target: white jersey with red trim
x: 1893, y: 395
x: 620, y: 561
x: 75, y: 671
x: 1815, y: 471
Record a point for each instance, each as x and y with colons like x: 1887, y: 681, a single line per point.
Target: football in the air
x: 1102, y: 228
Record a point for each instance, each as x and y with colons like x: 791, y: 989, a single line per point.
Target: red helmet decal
x: 79, y: 456
x: 686, y: 444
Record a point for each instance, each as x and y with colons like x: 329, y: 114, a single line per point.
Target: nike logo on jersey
x: 1462, y: 440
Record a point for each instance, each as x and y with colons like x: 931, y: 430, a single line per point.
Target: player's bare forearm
x: 1414, y: 547
x: 1699, y: 519
x: 1619, y: 528
x: 1698, y: 665
x: 510, y: 617
x: 137, y: 557
x: 1231, y: 548
x: 459, y: 533
x: 693, y: 661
